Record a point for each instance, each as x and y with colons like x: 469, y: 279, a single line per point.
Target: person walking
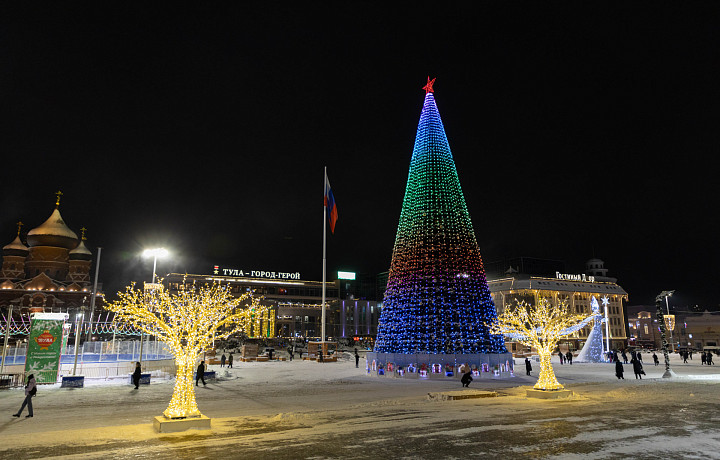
x: 528, y: 366
x: 709, y: 358
x: 568, y: 357
x: 624, y: 356
x: 685, y: 356
x: 703, y: 358
x: 222, y: 360
x: 200, y: 373
x: 30, y: 390
x: 619, y: 370
x: 561, y: 356
x: 655, y: 359
x: 466, y: 378
x: 136, y: 375
x: 639, y: 357
x: 637, y: 368
x: 357, y: 359
x: 230, y: 360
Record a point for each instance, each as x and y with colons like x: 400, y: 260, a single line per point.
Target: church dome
x: 81, y: 252
x: 53, y: 232
x: 16, y: 248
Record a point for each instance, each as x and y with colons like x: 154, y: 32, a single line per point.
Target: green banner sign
x: 45, y: 346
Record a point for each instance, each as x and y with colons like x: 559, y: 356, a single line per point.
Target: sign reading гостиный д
x: 44, y: 346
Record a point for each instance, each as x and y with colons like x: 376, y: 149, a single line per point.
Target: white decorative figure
x: 592, y: 351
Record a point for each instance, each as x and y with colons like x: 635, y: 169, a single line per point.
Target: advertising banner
x: 45, y: 346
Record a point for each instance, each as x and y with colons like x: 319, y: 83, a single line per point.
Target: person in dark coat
x: 222, y: 360
x: 136, y: 375
x: 637, y: 368
x: 561, y: 356
x: 639, y: 357
x: 30, y: 390
x: 703, y: 358
x: 466, y: 378
x: 568, y: 357
x: 619, y: 370
x: 655, y: 359
x: 200, y: 373
x: 709, y: 358
x: 290, y: 353
x: 624, y: 356
x: 230, y: 360
x: 528, y: 366
x: 357, y: 358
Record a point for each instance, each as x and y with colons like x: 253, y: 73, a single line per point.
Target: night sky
x: 575, y: 130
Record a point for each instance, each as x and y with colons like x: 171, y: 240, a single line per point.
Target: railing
x: 94, y: 352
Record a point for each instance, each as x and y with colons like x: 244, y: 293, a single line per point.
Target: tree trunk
x: 547, y: 380
x: 183, y: 403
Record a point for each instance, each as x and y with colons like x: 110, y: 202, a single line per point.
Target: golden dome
x: 53, y: 232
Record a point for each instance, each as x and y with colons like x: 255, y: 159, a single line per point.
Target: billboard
x: 44, y: 346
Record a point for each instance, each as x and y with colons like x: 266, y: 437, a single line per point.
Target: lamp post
x: 154, y: 253
x: 667, y: 307
x: 661, y: 321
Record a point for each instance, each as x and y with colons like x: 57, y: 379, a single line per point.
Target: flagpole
x: 322, y: 327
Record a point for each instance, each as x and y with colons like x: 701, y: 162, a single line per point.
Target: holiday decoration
x: 540, y: 326
x: 437, y: 300
x: 592, y: 351
x: 188, y: 321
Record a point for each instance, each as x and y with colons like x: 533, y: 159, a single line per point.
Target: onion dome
x: 81, y: 252
x: 16, y: 248
x: 53, y: 232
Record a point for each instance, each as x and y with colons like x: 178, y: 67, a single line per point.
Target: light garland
x: 437, y: 299
x: 188, y: 321
x: 539, y: 326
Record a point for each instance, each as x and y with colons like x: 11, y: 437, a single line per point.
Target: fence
x: 95, y: 352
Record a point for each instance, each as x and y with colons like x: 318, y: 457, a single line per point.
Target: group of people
x: 636, y: 361
x: 229, y: 360
x: 565, y: 357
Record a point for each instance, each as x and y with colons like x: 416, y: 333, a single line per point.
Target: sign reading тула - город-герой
x: 217, y: 270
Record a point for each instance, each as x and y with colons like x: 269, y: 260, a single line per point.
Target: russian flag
x: 330, y: 205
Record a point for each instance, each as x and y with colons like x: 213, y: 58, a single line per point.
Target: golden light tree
x: 539, y: 326
x: 188, y: 321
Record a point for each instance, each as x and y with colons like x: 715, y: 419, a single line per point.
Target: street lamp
x: 154, y: 253
x: 661, y: 321
x: 667, y: 307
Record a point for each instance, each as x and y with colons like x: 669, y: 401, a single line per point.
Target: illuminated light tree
x: 188, y: 321
x: 540, y: 326
x: 437, y: 299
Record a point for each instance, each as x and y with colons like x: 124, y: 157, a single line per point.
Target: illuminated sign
x: 346, y: 275
x: 580, y: 277
x: 217, y: 270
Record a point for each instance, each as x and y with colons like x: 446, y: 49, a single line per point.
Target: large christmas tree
x: 437, y: 299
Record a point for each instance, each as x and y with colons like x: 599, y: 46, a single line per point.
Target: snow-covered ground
x: 333, y: 410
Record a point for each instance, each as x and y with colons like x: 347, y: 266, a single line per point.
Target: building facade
x: 296, y: 303
x: 575, y: 290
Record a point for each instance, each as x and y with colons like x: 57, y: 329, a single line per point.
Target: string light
x: 437, y: 299
x: 540, y: 326
x: 188, y: 321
